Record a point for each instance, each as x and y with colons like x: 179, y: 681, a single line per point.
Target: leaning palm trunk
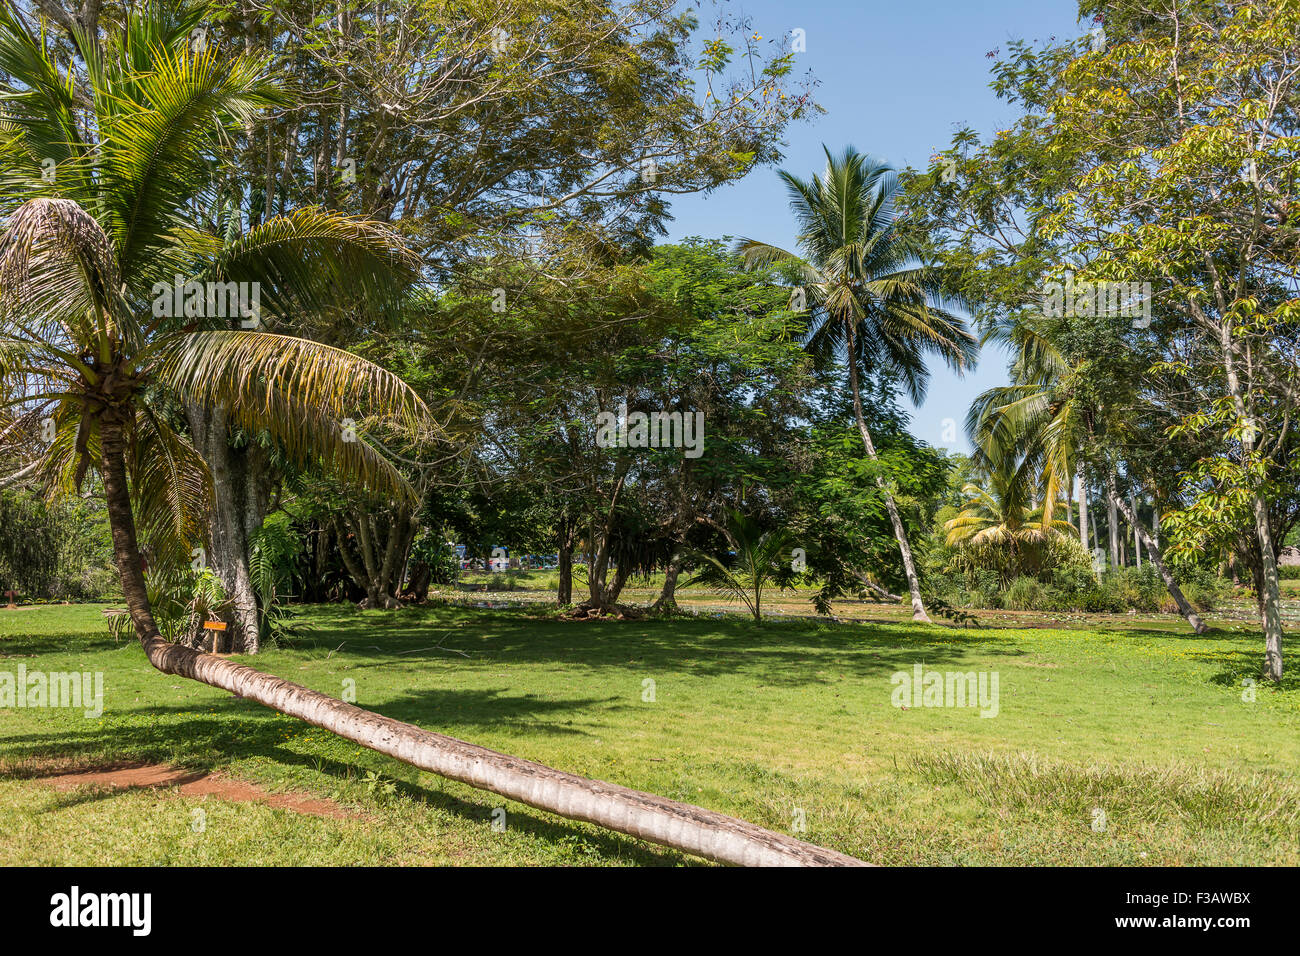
x: 900, y: 533
x: 680, y: 826
x: 1153, y: 552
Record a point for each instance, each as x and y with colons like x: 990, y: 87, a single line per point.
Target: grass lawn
x: 791, y: 722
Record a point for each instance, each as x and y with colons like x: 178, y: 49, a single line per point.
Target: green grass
x: 1142, y: 721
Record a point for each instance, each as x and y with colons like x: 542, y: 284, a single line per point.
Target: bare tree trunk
x: 681, y: 826
x: 1267, y: 580
x: 381, y: 543
x: 564, y: 591
x: 599, y: 595
x: 668, y: 594
x: 1184, y: 607
x: 1269, y: 593
x: 1113, y: 516
x: 228, y: 525
x: 900, y: 533
x: 1083, y: 508
x: 1137, y: 544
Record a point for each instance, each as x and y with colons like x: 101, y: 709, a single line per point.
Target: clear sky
x: 896, y: 79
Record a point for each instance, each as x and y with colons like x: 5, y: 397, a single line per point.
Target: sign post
x: 216, y: 627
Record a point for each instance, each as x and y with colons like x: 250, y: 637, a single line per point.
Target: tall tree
x: 76, y: 329
x: 872, y: 304
x: 1128, y: 175
x: 515, y: 131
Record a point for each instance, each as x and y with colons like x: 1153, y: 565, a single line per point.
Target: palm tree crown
x: 112, y: 195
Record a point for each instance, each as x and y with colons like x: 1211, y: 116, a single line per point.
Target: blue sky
x: 896, y: 80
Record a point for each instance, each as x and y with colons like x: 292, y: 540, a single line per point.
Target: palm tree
x: 1039, y: 418
x: 872, y: 303
x: 997, y: 522
x: 1043, y: 420
x: 759, y: 559
x: 81, y: 259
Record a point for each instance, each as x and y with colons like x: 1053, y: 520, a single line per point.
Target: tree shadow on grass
x: 778, y: 653
x: 1236, y: 667
x: 1213, y: 634
x: 27, y: 645
x: 249, y: 731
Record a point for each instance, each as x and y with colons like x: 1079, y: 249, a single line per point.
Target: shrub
x: 1204, y: 589
x: 1075, y: 587
x: 1025, y: 594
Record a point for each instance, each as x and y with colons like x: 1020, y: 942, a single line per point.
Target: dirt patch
x: 189, y: 783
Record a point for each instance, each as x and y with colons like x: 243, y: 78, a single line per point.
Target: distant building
x: 1289, y: 557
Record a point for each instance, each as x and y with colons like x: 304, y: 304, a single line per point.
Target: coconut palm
x: 127, y: 277
x: 759, y: 559
x: 135, y: 142
x: 1039, y: 425
x: 997, y: 526
x: 1038, y: 419
x: 872, y: 303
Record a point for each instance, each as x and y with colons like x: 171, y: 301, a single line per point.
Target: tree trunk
x: 667, y: 599
x: 234, y: 510
x: 1153, y: 551
x: 1266, y: 577
x: 421, y: 578
x: 681, y: 826
x: 1113, y: 516
x: 381, y: 543
x: 1269, y: 593
x: 1083, y: 508
x: 564, y: 591
x: 601, y: 595
x: 905, y: 549
x: 1137, y: 544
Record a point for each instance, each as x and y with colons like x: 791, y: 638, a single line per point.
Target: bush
x: 1204, y: 589
x: 1075, y: 587
x: 52, y: 552
x: 1025, y: 594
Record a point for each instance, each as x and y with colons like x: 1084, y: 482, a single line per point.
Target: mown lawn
x: 789, y: 722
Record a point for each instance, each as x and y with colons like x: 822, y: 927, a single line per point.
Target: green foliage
x: 433, y: 548
x: 1030, y: 551
x: 59, y: 551
x: 1075, y: 588
x: 181, y: 599
x: 760, y: 558
x: 274, y: 556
